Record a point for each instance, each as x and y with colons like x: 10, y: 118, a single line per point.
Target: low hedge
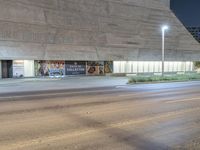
x: 186, y: 77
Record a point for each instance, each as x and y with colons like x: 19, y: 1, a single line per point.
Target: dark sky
x: 188, y: 11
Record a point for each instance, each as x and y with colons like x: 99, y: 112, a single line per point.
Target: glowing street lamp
x: 164, y: 28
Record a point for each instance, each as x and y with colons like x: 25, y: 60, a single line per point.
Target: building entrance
x: 7, y: 68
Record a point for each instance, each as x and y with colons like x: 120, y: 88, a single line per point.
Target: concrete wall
x: 166, y: 2
x: 91, y: 30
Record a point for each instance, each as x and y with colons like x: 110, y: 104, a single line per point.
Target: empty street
x: 138, y: 117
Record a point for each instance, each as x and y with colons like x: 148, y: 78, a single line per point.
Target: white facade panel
x: 151, y: 66
x: 28, y: 68
x: 135, y: 66
x: 116, y: 67
x: 146, y: 66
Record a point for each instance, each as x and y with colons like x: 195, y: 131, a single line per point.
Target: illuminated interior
x: 151, y: 66
x: 23, y: 68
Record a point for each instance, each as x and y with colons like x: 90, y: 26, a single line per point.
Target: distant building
x: 195, y: 31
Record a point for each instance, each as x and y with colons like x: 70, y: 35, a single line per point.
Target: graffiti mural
x: 50, y: 68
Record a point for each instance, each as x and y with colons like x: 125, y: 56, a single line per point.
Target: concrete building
x: 69, y: 37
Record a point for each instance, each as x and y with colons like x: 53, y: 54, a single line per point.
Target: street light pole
x: 163, y: 48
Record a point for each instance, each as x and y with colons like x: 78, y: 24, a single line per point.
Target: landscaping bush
x: 185, y: 77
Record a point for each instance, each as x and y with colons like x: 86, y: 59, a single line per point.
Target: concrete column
x: 0, y: 70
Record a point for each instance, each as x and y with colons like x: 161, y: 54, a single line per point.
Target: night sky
x: 188, y: 11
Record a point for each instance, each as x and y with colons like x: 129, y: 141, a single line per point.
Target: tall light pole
x: 164, y: 28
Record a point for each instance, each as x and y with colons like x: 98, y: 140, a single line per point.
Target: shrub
x: 184, y: 77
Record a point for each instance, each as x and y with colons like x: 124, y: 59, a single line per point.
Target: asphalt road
x: 140, y: 117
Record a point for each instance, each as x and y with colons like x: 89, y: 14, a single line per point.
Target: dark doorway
x: 7, y: 69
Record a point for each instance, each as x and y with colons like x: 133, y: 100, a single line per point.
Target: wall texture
x: 91, y: 30
x: 166, y: 2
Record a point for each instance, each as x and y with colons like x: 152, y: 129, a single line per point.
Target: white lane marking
x: 163, y: 85
x: 52, y: 94
x: 156, y: 93
x: 183, y: 100
x: 129, y: 94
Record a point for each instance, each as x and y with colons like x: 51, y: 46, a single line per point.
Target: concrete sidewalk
x: 44, y: 84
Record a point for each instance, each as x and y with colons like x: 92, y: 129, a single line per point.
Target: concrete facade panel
x: 92, y: 30
x: 17, y: 12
